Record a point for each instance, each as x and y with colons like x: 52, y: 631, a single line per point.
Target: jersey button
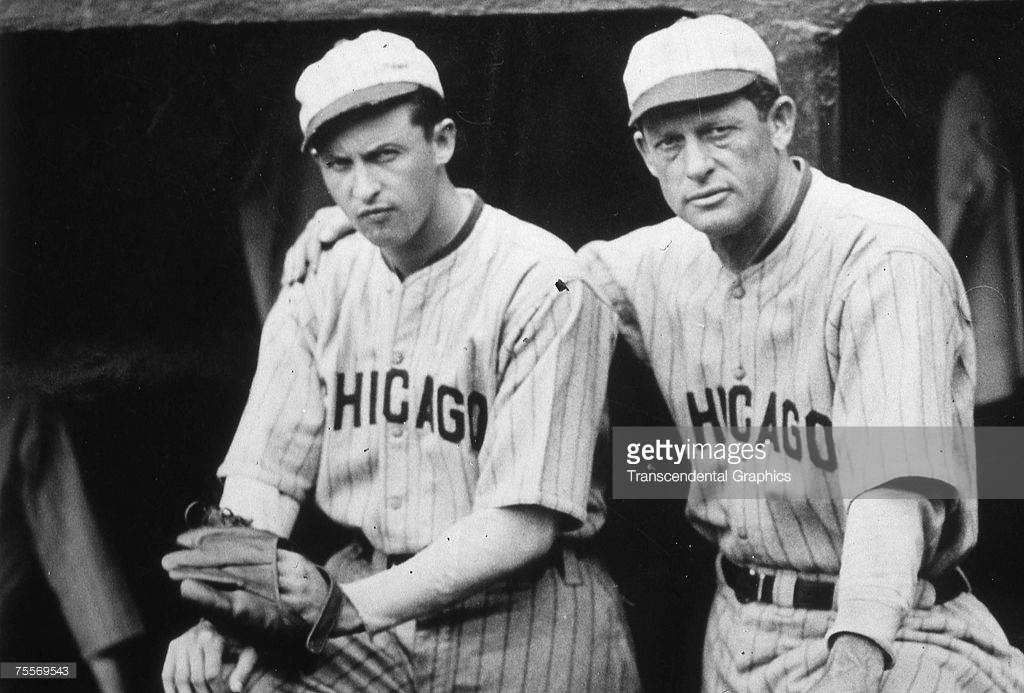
x: 740, y: 373
x: 395, y: 502
x: 738, y: 291
x: 742, y: 533
x: 397, y: 430
x: 397, y: 357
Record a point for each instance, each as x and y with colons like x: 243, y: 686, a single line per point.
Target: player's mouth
x: 375, y: 214
x: 707, y: 198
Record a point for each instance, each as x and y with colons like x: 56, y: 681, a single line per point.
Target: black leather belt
x: 753, y: 585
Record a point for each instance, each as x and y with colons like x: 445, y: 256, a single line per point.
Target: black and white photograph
x: 606, y: 346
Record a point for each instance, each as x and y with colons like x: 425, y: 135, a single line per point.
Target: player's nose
x: 365, y: 185
x: 698, y: 161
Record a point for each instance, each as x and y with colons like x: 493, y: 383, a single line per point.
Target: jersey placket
x: 738, y: 312
x: 734, y: 361
x: 399, y: 349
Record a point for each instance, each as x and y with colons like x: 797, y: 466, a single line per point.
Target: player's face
x: 385, y: 173
x: 718, y: 164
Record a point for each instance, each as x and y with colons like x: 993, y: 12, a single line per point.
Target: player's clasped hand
x: 327, y: 226
x: 854, y: 665
x: 303, y: 590
x: 200, y: 661
x: 252, y: 589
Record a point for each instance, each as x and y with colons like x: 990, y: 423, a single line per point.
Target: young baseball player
x: 780, y: 299
x: 438, y: 386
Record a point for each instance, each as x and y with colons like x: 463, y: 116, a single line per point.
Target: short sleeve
x: 278, y: 439
x: 612, y: 267
x: 904, y: 379
x: 552, y: 375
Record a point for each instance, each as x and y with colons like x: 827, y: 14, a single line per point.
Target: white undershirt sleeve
x: 883, y: 547
x: 479, y: 549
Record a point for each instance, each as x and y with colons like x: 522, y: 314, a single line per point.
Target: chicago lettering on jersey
x: 444, y: 409
x: 721, y: 408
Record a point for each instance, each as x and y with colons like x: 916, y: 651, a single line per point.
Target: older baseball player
x: 783, y: 299
x: 438, y: 386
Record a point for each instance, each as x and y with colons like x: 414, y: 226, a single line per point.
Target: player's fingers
x: 213, y: 658
x: 243, y: 669
x: 313, y: 249
x: 197, y: 668
x: 201, y: 594
x: 167, y: 673
x: 332, y: 222
x: 182, y: 676
x: 291, y: 272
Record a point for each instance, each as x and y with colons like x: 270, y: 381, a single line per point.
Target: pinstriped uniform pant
x: 956, y: 646
x: 563, y: 631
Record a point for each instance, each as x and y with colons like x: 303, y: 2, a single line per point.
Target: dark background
x: 124, y: 155
x: 896, y: 63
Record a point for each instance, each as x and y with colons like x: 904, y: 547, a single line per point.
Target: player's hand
x: 855, y: 665
x: 303, y: 589
x: 195, y: 662
x: 327, y: 226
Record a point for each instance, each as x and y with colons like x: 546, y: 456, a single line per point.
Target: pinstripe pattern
x: 562, y: 633
x: 857, y: 318
x: 354, y: 663
x: 853, y: 320
x: 957, y: 646
x: 404, y: 405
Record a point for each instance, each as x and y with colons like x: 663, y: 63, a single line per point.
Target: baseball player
x: 783, y: 300
x: 781, y: 297
x: 438, y: 386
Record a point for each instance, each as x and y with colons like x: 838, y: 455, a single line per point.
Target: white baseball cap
x: 694, y: 59
x: 374, y: 67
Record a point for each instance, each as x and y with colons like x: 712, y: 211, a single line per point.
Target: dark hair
x: 761, y: 92
x: 428, y: 109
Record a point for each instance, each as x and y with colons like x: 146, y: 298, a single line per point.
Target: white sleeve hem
x: 266, y: 506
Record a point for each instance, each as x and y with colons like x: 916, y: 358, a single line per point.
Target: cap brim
x: 699, y: 85
x: 370, y: 96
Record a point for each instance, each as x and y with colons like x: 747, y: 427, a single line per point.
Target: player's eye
x: 720, y: 133
x: 387, y: 155
x: 669, y: 145
x: 336, y: 165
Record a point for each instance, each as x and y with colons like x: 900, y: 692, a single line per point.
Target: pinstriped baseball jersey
x: 405, y: 404
x: 857, y: 318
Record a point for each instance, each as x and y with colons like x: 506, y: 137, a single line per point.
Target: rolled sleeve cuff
x: 266, y: 506
x: 876, y: 621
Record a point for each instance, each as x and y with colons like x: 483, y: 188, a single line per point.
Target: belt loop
x: 784, y: 588
x: 572, y: 572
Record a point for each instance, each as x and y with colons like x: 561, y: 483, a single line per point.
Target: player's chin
x: 381, y: 235
x: 712, y: 222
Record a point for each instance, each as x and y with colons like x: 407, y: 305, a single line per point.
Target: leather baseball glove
x: 232, y: 572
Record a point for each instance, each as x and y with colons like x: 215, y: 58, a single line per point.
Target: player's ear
x: 443, y: 140
x: 640, y: 142
x: 781, y: 120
